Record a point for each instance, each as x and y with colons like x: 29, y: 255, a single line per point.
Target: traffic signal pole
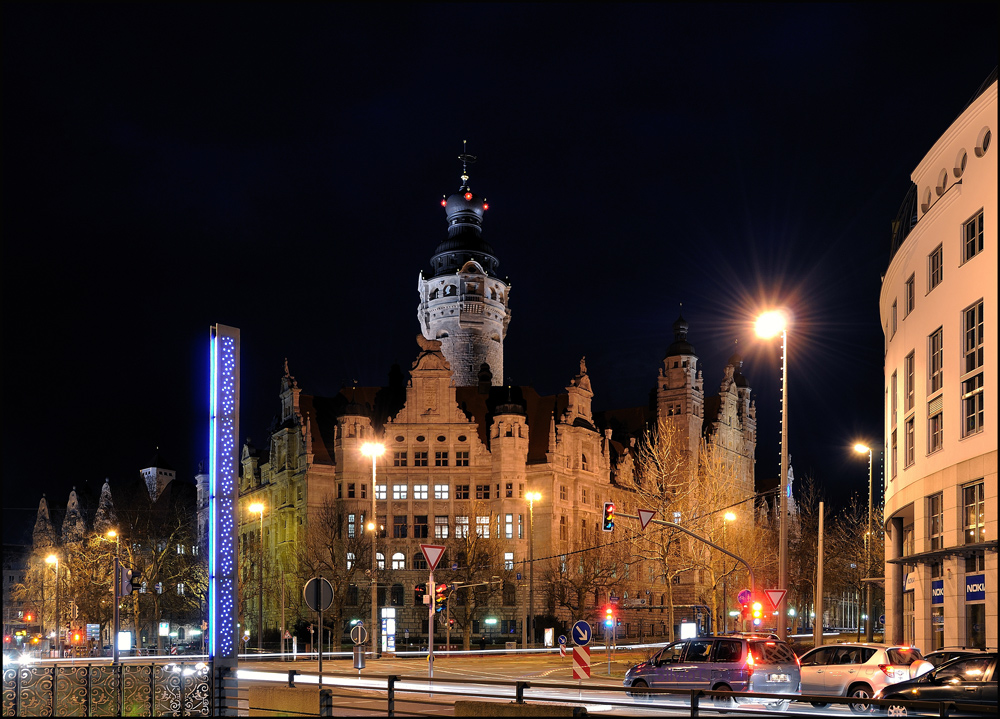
x: 431, y: 608
x: 738, y: 558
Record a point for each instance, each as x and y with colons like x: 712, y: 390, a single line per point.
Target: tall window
x: 350, y: 527
x: 483, y: 526
x: 973, y: 237
x: 461, y: 527
x: 583, y: 495
x: 892, y: 326
x: 399, y: 526
x: 975, y: 520
x: 935, y: 268
x: 908, y: 365
x: 440, y: 527
x: 894, y: 397
x: 350, y: 559
x: 508, y: 525
x: 562, y: 492
x: 399, y: 491
x: 563, y: 529
x: 973, y: 401
x: 420, y: 526
x: 441, y: 491
x: 350, y: 490
x: 935, y: 424
x: 399, y: 459
x: 398, y: 562
x: 910, y: 298
x: 508, y: 560
x: 935, y: 521
x: 909, y: 440
x: 420, y: 491
x: 935, y: 364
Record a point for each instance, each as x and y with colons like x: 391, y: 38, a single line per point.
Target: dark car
x: 966, y: 680
x: 941, y: 656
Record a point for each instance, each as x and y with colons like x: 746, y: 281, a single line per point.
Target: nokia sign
x: 937, y: 591
x: 975, y: 587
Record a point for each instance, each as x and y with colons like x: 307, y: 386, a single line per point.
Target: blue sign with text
x: 937, y: 591
x: 975, y: 587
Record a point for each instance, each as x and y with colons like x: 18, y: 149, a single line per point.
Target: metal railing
x: 102, y: 689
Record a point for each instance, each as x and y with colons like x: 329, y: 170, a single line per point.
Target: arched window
x: 380, y: 560
x: 434, y: 294
x: 583, y: 463
x: 449, y: 290
x: 350, y: 559
x: 397, y: 595
x: 419, y: 561
x: 398, y: 561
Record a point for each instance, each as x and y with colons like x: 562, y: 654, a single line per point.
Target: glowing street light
x: 768, y: 325
x: 54, y: 559
x: 258, y: 508
x: 869, y: 629
x: 375, y: 450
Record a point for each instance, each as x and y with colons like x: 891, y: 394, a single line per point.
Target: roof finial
x: 466, y: 159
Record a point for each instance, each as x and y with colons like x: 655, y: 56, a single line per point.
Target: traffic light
x: 757, y: 613
x: 126, y: 583
x: 609, y: 614
x: 77, y: 637
x: 440, y: 596
x: 609, y: 517
x: 29, y: 617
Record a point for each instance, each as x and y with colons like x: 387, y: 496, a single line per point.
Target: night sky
x: 279, y: 168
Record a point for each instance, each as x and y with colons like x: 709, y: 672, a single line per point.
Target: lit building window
x: 441, y: 491
x: 398, y: 561
x: 399, y: 491
x: 935, y: 424
x: 379, y: 491
x: 440, y: 527
x: 483, y: 526
x: 508, y: 526
x: 350, y: 559
x: 461, y: 527
x: 420, y: 491
x: 974, y: 521
x: 508, y: 560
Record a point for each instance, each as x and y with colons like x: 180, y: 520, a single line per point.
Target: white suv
x: 855, y: 670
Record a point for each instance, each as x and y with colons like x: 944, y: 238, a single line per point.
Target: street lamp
x: 258, y: 508
x: 54, y: 559
x: 532, y: 498
x: 771, y: 324
x: 869, y: 629
x: 112, y: 534
x: 375, y: 450
x: 728, y: 517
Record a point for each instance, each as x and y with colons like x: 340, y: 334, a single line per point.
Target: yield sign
x: 644, y: 516
x: 775, y: 596
x: 432, y: 553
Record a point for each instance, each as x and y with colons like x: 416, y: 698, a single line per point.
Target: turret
x: 680, y: 392
x: 463, y: 303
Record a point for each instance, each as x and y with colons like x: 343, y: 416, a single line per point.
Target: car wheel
x: 820, y: 705
x: 723, y: 704
x: 779, y: 706
x: 895, y: 710
x: 860, y: 691
x: 639, y: 686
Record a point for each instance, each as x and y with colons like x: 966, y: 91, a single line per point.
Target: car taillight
x: 749, y: 665
x: 887, y: 669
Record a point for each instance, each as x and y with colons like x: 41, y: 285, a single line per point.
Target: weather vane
x: 466, y: 159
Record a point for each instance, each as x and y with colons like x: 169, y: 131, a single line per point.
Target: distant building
x: 461, y: 448
x: 939, y: 312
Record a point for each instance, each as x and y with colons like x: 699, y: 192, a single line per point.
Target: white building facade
x: 938, y: 309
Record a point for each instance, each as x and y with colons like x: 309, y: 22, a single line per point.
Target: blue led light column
x: 224, y: 421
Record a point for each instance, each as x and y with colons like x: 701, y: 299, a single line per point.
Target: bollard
x: 695, y: 695
x: 519, y: 689
x: 325, y: 703
x: 291, y: 677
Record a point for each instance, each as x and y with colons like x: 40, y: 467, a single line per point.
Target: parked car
x: 739, y: 664
x: 855, y: 670
x: 970, y: 679
x: 940, y: 656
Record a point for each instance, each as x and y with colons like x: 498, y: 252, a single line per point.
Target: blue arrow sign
x: 562, y: 639
x: 582, y: 633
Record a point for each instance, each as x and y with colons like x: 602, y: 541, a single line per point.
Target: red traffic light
x: 29, y: 617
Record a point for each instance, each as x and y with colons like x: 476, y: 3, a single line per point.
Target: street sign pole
x: 430, y: 630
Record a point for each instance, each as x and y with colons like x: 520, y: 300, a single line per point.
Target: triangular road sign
x: 775, y: 596
x: 644, y: 516
x: 433, y: 554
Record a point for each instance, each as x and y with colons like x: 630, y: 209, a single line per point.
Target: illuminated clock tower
x: 463, y: 302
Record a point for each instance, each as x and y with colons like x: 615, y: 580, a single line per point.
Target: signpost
x: 562, y: 645
x: 433, y: 554
x: 318, y: 593
x: 359, y: 635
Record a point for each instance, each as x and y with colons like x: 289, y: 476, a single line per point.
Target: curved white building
x: 939, y: 311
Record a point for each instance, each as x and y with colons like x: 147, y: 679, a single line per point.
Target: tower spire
x: 467, y: 160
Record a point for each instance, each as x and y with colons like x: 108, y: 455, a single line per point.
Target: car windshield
x: 903, y: 655
x: 771, y: 653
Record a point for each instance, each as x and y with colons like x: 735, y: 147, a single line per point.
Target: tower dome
x: 680, y: 345
x: 463, y: 303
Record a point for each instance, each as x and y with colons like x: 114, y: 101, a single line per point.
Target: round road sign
x: 318, y: 594
x: 562, y: 639
x: 582, y: 633
x: 359, y: 635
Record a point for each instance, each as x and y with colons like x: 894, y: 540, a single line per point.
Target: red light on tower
x: 444, y: 203
x: 468, y: 195
x: 486, y: 206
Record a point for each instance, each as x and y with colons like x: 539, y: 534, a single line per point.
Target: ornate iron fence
x: 175, y: 689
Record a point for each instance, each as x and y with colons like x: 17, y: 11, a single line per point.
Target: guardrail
x: 422, y: 692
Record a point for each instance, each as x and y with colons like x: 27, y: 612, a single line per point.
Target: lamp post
x: 768, y: 325
x: 532, y: 498
x: 54, y: 559
x: 374, y: 450
x: 112, y: 534
x: 869, y: 629
x: 258, y: 508
x: 729, y: 517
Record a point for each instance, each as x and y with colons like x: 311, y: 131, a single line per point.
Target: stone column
x: 894, y: 584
